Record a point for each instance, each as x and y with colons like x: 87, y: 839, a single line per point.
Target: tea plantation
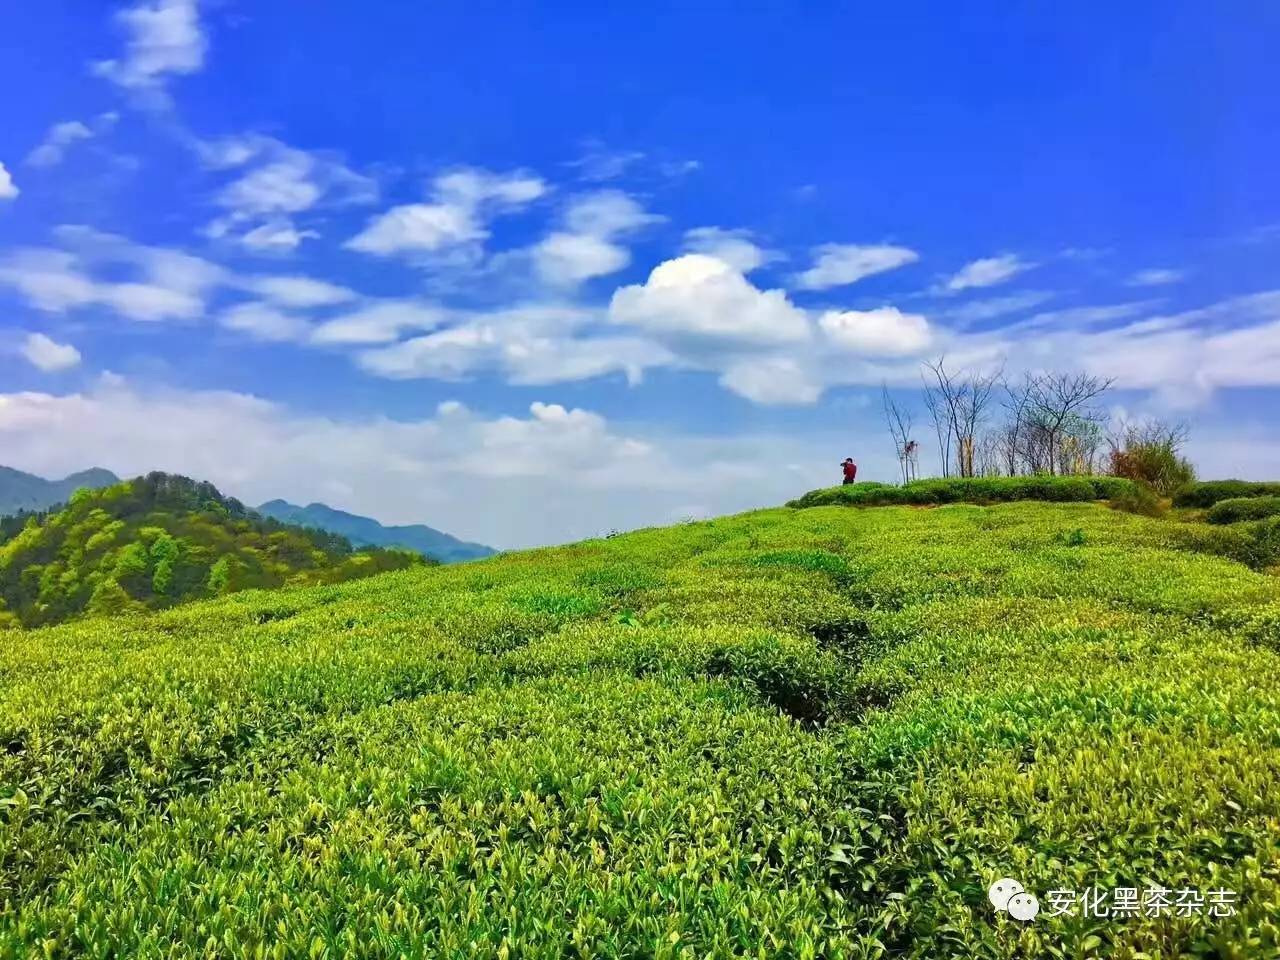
x: 797, y: 733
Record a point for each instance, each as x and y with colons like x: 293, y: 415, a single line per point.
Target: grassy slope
x: 808, y: 733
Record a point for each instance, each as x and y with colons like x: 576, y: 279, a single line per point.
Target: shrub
x: 1243, y: 508
x: 970, y: 490
x: 1142, y: 500
x: 1207, y: 493
x: 1149, y: 454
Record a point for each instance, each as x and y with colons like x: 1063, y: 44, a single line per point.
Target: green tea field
x: 797, y: 733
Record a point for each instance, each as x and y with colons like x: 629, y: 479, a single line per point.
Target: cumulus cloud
x: 164, y: 37
x: 47, y: 354
x: 987, y: 272
x: 734, y: 247
x: 703, y: 297
x: 1155, y: 277
x: 840, y: 264
x: 462, y: 203
x: 886, y: 331
x: 772, y: 381
x: 8, y: 189
x: 586, y: 247
x: 549, y: 473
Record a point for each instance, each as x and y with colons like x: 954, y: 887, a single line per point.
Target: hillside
x: 157, y: 541
x: 367, y: 532
x: 28, y: 493
x: 802, y: 733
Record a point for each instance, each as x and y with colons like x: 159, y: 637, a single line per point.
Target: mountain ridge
x: 366, y: 531
x: 22, y: 491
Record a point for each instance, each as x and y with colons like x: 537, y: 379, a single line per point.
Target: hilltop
x: 367, y: 532
x: 156, y: 541
x: 25, y: 492
x: 794, y: 732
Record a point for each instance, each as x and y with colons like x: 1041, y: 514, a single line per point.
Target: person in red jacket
x: 850, y: 470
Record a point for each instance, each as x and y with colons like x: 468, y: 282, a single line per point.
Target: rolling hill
x: 367, y: 532
x: 157, y: 541
x: 818, y: 732
x: 28, y: 493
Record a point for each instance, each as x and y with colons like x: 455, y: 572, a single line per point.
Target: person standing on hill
x: 850, y: 470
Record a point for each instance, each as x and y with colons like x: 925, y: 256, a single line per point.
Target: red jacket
x: 850, y: 471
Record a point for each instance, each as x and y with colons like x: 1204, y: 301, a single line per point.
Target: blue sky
x: 533, y: 272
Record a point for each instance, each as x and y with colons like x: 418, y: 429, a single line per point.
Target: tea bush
x: 1209, y: 492
x: 1237, y: 509
x: 791, y: 733
x: 969, y: 490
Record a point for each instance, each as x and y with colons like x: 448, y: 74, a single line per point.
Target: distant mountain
x: 26, y: 491
x: 157, y: 541
x: 367, y: 532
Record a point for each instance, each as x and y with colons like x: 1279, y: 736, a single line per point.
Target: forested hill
x: 26, y: 492
x: 156, y: 541
x: 365, y: 531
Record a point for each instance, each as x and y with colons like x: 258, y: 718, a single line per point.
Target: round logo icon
x: 1001, y: 891
x: 1023, y: 907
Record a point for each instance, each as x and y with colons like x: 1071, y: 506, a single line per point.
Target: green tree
x: 110, y: 599
x: 220, y: 576
x: 164, y: 554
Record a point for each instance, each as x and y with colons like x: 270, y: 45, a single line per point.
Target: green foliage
x: 1142, y: 499
x: 1237, y: 509
x: 160, y: 540
x: 1151, y: 456
x: 1209, y: 492
x: 937, y: 491
x: 817, y: 733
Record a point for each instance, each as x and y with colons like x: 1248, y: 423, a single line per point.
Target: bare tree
x: 959, y: 404
x: 1059, y: 407
x: 1012, y: 436
x: 940, y: 413
x: 900, y: 423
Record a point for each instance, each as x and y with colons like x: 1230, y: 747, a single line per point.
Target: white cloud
x: 551, y: 473
x: 262, y: 321
x: 8, y: 189
x: 537, y: 344
x: 165, y: 38
x: 570, y: 258
x: 977, y: 311
x: 839, y: 264
x: 55, y: 281
x: 277, y: 234
x: 988, y: 272
x: 598, y: 164
x: 281, y: 182
x: 886, y: 331
x: 772, y: 381
x: 700, y: 296
x: 284, y: 186
x: 586, y: 247
x: 462, y: 203
x: 299, y: 291
x: 1155, y: 277
x: 378, y: 323
x: 49, y: 355
x: 60, y: 136
x: 734, y: 247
